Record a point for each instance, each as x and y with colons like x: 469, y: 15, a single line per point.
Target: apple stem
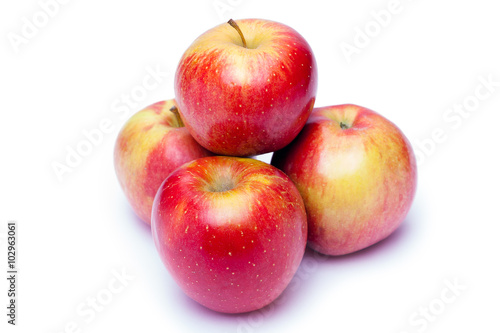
x: 343, y: 126
x: 235, y: 26
x: 175, y: 111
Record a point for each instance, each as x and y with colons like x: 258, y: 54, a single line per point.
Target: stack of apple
x: 232, y: 230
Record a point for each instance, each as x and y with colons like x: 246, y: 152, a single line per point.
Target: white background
x: 77, y: 232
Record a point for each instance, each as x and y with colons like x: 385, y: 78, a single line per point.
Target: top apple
x: 246, y: 87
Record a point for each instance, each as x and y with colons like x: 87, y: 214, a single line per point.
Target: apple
x: 247, y: 87
x: 151, y: 144
x: 357, y: 174
x: 231, y: 231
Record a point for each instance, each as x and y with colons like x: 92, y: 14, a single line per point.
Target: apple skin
x: 231, y: 231
x: 357, y: 183
x: 246, y: 101
x: 148, y: 148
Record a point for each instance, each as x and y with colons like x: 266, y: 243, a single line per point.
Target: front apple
x: 357, y: 174
x: 151, y: 144
x: 231, y: 231
x: 246, y: 88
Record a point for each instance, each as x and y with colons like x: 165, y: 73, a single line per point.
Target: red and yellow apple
x: 151, y: 144
x: 356, y: 172
x: 231, y: 231
x: 247, y: 87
